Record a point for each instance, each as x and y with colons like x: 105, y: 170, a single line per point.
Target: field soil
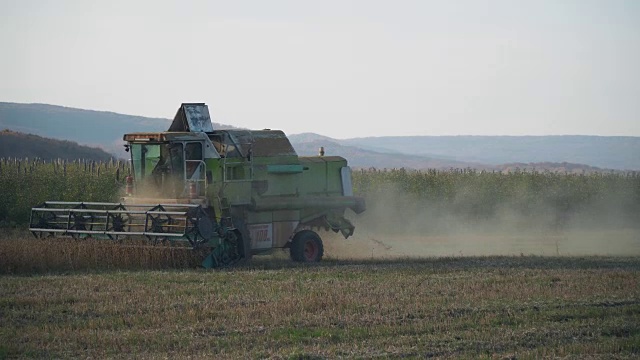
x: 363, y: 245
x: 84, y: 299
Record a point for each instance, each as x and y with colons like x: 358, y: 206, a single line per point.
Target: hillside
x: 361, y: 158
x: 609, y: 152
x: 577, y: 153
x: 94, y: 128
x: 19, y: 145
x: 379, y: 156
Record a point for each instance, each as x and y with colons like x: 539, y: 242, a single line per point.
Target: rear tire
x: 306, y: 247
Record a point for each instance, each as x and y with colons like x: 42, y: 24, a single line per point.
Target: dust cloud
x: 158, y: 188
x: 396, y: 225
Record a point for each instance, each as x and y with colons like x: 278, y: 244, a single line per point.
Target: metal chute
x: 187, y: 223
x: 192, y: 117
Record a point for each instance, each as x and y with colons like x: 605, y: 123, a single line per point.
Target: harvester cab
x: 234, y: 193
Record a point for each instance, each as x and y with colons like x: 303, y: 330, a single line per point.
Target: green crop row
x: 465, y: 193
x: 27, y: 183
x: 479, y: 195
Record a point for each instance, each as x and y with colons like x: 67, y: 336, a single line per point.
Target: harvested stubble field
x: 83, y: 299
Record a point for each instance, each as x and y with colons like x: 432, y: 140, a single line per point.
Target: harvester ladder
x: 225, y: 211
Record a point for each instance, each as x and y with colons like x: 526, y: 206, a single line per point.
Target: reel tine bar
x: 159, y: 222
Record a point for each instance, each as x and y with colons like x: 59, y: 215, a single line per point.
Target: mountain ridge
x: 616, y: 152
x: 104, y: 129
x: 362, y: 158
x: 20, y: 145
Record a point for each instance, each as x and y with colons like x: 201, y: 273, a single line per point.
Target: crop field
x: 26, y: 183
x: 443, y: 264
x: 468, y: 195
x: 82, y: 298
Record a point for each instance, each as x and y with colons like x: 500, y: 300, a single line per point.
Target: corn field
x: 479, y: 195
x: 25, y: 183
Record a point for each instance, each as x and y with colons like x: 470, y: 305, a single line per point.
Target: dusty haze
x: 393, y: 227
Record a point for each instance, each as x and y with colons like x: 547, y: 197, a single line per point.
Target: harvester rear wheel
x: 306, y: 247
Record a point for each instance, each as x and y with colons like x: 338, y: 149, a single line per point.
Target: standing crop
x: 25, y: 183
x: 477, y: 195
x: 467, y: 193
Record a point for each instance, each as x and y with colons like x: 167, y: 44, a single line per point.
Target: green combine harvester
x: 235, y: 193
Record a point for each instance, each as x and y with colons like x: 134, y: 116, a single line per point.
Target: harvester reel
x: 158, y: 222
x: 177, y: 223
x: 200, y: 228
x: 44, y: 220
x: 45, y: 223
x: 78, y: 222
x: 118, y: 223
x: 157, y: 225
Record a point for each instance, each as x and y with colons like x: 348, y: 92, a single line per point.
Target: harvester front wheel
x: 306, y: 247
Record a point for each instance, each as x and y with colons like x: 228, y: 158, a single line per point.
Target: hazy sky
x: 339, y: 68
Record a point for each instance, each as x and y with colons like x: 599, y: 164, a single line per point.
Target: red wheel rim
x: 310, y: 250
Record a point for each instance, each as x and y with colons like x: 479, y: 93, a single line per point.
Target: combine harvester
x: 233, y: 192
